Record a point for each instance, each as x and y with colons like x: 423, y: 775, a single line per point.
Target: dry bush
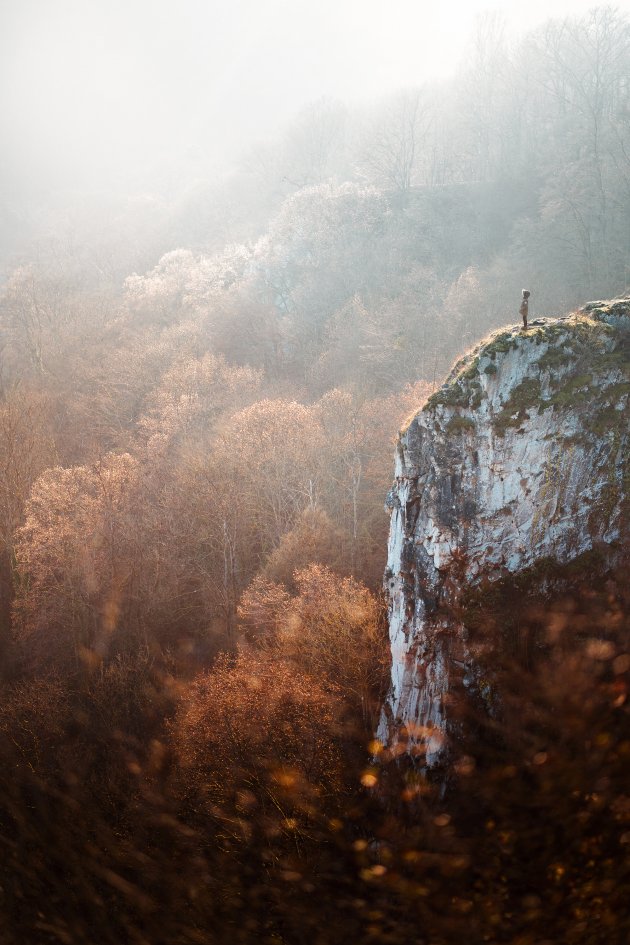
x: 257, y: 837
x: 75, y: 870
x: 255, y: 737
x: 314, y: 539
x: 337, y: 631
x: 539, y: 792
x: 34, y: 719
x: 331, y: 628
x: 75, y: 555
x: 542, y: 804
x: 263, y: 610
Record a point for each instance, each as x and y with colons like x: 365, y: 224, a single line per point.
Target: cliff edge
x: 521, y: 455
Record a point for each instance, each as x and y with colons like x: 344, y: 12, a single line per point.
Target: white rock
x: 507, y: 475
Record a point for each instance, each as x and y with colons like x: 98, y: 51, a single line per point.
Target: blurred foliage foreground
x: 142, y: 803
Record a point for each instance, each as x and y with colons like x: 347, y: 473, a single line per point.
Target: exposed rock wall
x: 521, y: 455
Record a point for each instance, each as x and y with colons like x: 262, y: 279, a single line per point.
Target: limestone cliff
x: 521, y: 455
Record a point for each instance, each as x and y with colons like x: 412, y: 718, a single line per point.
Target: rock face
x: 521, y: 455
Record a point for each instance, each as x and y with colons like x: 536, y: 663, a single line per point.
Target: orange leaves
x: 277, y: 426
x: 323, y: 596
x: 273, y: 449
x: 73, y: 555
x: 338, y: 631
x: 257, y: 724
x: 263, y: 608
x: 193, y: 396
x: 331, y: 628
x: 314, y: 539
x: 26, y: 448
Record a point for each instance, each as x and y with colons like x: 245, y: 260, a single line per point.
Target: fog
x: 242, y: 246
x: 123, y: 96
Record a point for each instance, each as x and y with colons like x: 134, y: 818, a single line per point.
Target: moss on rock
x: 460, y: 425
x: 523, y: 398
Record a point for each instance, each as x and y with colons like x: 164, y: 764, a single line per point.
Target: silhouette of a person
x: 523, y: 310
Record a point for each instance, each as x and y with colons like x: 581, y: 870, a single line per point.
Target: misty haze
x: 314, y: 473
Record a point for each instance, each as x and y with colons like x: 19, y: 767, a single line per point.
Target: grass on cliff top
x: 582, y: 337
x: 616, y: 308
x: 462, y: 388
x: 467, y: 367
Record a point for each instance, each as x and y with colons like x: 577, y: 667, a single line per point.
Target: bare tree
x: 394, y: 139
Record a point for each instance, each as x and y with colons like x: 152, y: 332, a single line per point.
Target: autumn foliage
x: 331, y: 627
x: 259, y: 735
x: 198, y: 411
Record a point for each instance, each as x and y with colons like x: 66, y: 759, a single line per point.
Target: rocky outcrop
x: 521, y: 455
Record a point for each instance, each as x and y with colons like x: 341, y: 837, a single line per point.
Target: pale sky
x: 93, y: 88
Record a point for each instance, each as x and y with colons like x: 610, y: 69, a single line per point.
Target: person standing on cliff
x: 523, y: 310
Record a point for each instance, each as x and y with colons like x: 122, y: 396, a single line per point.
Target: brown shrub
x: 332, y: 628
x: 313, y: 540
x: 34, y: 717
x: 263, y: 609
x: 255, y: 734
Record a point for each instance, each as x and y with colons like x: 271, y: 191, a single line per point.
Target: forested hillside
x: 200, y: 389
x: 354, y: 256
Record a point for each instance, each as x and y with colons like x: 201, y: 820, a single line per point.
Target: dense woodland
x: 199, y: 396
